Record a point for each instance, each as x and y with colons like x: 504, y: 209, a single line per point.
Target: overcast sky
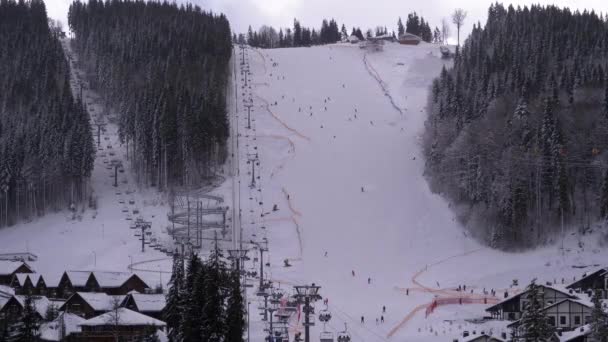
x: 365, y: 14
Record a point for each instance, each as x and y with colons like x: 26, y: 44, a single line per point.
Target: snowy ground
x: 338, y: 136
x: 326, y: 123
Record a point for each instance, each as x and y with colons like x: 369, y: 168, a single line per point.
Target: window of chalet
x: 577, y: 320
x: 551, y: 320
x: 562, y: 320
x: 511, y: 316
x: 587, y: 319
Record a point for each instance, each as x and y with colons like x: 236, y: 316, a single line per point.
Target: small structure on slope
x: 409, y: 39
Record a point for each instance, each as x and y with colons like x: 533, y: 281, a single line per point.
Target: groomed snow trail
x: 353, y: 196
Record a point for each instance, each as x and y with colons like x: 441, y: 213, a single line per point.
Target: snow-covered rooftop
x: 51, y: 331
x: 41, y: 303
x: 125, y: 317
x: 111, y: 279
x: 99, y: 301
x: 78, y: 278
x: 8, y: 267
x: 21, y: 278
x: 149, y: 302
x: 571, y: 335
x: 475, y: 337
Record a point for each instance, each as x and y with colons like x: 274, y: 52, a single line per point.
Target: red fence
x: 458, y: 300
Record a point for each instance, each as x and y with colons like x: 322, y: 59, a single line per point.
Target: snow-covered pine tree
x: 190, y: 327
x: 213, y: 317
x: 599, y: 319
x: 534, y: 324
x: 172, y: 313
x: 27, y: 330
x: 235, y: 323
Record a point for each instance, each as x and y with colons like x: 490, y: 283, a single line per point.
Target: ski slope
x: 338, y: 134
x: 335, y: 143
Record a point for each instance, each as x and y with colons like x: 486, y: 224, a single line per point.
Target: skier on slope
x: 353, y: 272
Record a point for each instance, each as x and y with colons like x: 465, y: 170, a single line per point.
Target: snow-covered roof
x: 51, y: 331
x: 21, y: 278
x: 557, y: 288
x: 99, y: 301
x: 112, y: 279
x: 51, y: 279
x: 573, y: 334
x: 78, y: 278
x: 41, y: 303
x: 408, y: 36
x: 149, y: 302
x: 472, y: 338
x: 586, y: 275
x: 6, y: 291
x: 353, y: 38
x: 126, y: 317
x: 8, y: 267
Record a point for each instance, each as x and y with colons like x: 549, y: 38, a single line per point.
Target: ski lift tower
x: 305, y: 294
x: 144, y: 226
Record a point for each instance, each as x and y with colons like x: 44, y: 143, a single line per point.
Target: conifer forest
x: 46, y: 146
x: 164, y: 68
x: 516, y: 131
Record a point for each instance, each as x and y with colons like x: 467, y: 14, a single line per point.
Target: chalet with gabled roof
x: 72, y: 282
x: 8, y: 269
x: 90, y: 304
x: 596, y: 280
x: 116, y: 283
x: 511, y: 308
x: 132, y: 326
x: 148, y: 304
x: 13, y: 308
x: 565, y: 315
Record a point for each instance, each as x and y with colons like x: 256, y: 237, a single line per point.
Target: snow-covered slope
x: 338, y: 132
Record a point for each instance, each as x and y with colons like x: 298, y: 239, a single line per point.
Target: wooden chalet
x: 596, y: 280
x: 61, y: 328
x: 148, y: 304
x: 116, y: 283
x: 565, y: 315
x: 13, y: 308
x: 9, y: 268
x: 90, y: 304
x: 409, y: 39
x: 132, y: 326
x: 511, y: 308
x: 72, y: 282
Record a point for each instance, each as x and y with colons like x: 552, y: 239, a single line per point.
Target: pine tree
x: 534, y: 324
x: 30, y: 321
x: 604, y: 198
x: 400, y: 28
x: 213, y: 317
x: 172, y: 312
x: 190, y: 326
x: 235, y: 322
x: 599, y: 319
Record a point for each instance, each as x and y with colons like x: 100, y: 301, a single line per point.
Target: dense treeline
x: 164, y: 69
x: 516, y: 134
x: 418, y: 26
x: 46, y: 146
x: 204, y: 301
x: 269, y: 38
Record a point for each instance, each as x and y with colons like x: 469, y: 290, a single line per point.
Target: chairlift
x: 326, y: 336
x: 324, y: 315
x: 344, y: 336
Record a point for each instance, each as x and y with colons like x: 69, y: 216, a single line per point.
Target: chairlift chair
x: 344, y: 336
x: 326, y: 336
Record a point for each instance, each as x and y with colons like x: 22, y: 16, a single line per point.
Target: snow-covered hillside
x: 338, y: 132
x: 335, y: 141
